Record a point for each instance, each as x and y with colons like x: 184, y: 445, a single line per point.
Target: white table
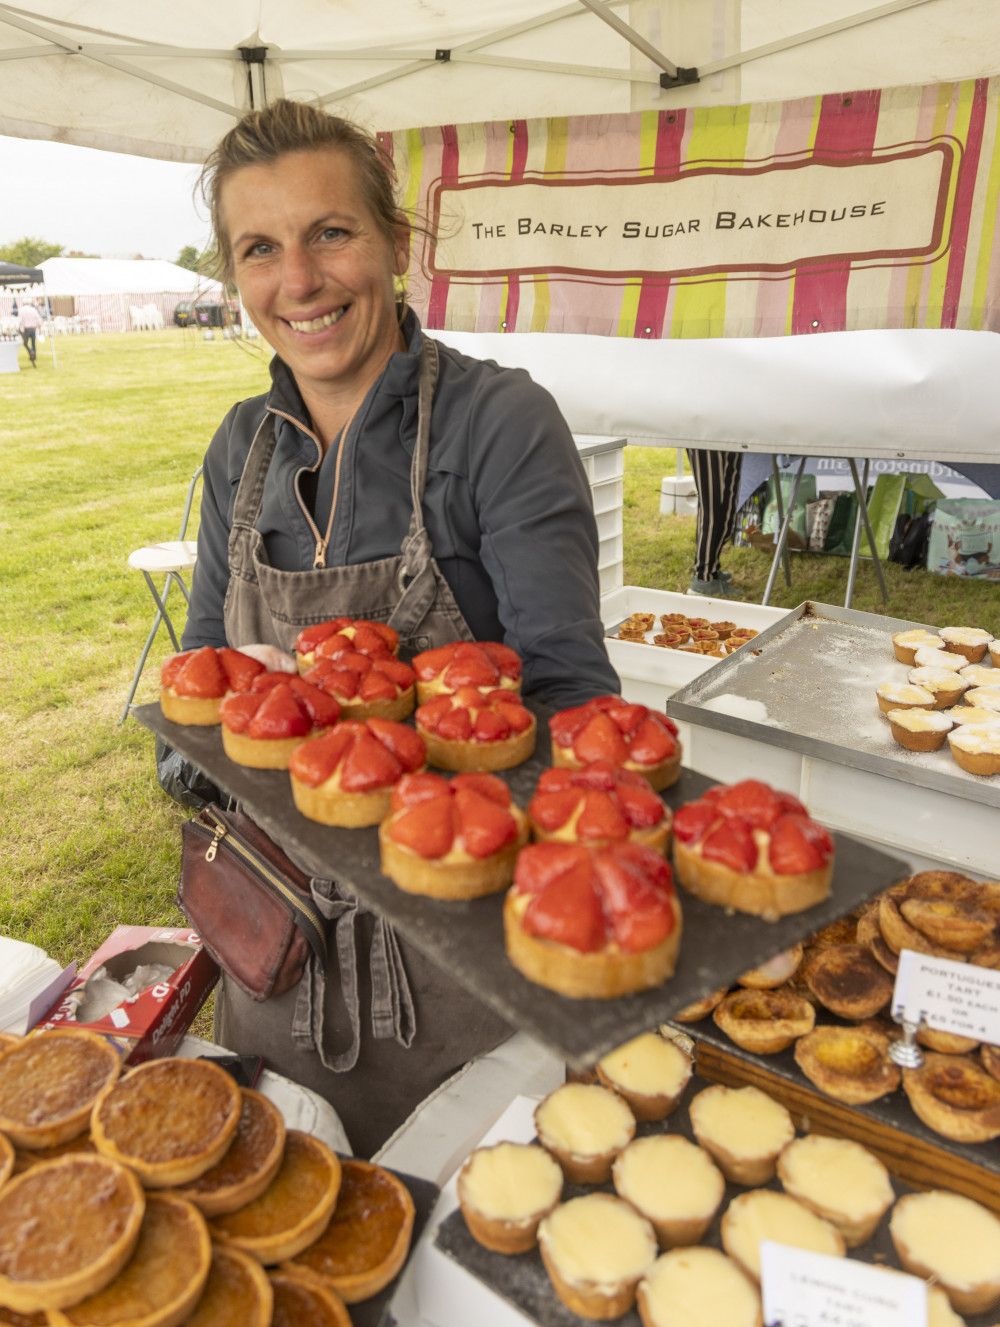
x: 8, y: 357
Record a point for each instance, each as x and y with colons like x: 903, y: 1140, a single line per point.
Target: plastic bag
x: 895, y: 495
x: 965, y: 538
x: 182, y: 781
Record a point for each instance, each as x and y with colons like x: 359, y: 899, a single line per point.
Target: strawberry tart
x: 343, y: 633
x: 346, y: 777
x: 486, y: 665
x: 748, y: 847
x: 592, y: 924
x: 368, y: 686
x: 598, y: 805
x: 193, y: 684
x: 452, y: 839
x: 473, y: 730
x: 263, y: 726
x: 631, y: 736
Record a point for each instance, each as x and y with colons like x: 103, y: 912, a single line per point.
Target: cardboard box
x: 151, y: 1024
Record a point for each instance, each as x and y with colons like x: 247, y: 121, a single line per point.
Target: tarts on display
x: 596, y: 1249
x: 346, y: 776
x: 742, y: 1129
x: 237, y: 1293
x: 484, y: 665
x: 49, y: 1083
x: 584, y: 1126
x: 598, y: 805
x: 343, y: 635
x: 263, y: 726
x: 649, y: 1072
x: 474, y: 730
x: 250, y: 1163
x: 367, y: 686
x: 194, y: 683
x: 628, y: 735
x: 505, y: 1190
x: 673, y: 1183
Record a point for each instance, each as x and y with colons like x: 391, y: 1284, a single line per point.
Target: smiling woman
x: 382, y: 477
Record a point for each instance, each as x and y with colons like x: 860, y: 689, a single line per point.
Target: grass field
x: 97, y: 454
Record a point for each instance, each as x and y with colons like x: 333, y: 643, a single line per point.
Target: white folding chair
x: 169, y: 559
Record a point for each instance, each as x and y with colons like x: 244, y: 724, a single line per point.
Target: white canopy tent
x: 108, y: 288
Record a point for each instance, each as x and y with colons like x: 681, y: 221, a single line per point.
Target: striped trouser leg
x: 717, y: 479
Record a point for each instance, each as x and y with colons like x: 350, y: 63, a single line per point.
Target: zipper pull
x: 213, y: 847
x: 319, y: 560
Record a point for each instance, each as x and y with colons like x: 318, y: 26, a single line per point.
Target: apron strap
x: 250, y: 492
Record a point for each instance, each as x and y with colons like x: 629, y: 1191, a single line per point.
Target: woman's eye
x: 333, y: 232
x: 259, y: 250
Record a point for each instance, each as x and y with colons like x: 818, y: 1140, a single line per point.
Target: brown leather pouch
x: 249, y: 903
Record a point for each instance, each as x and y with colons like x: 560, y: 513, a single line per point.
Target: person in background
x: 29, y: 320
x: 717, y: 479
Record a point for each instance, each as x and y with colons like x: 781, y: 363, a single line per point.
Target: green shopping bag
x: 806, y: 494
x: 910, y: 494
x: 840, y: 531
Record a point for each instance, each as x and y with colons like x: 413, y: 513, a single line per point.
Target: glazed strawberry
x: 238, y: 709
x: 279, y: 715
x: 641, y: 805
x: 376, y: 686
x: 470, y: 667
x: 172, y: 665
x: 601, y: 817
x: 544, y: 862
x: 328, y: 638
x: 629, y: 735
x: 568, y: 912
x: 757, y: 803
x: 406, y: 745
x: 348, y: 777
x: 628, y: 717
x: 514, y: 714
x: 240, y: 668
x: 412, y: 789
x: 799, y: 844
x: 490, y: 726
x: 601, y: 739
x: 313, y: 762
x: 637, y: 886
x: 692, y: 820
x: 507, y: 660
x: 307, y: 639
x: 429, y: 663
x: 427, y: 829
x: 553, y: 809
x: 652, y: 741
x: 487, y: 785
x: 485, y: 665
x: 367, y: 686
x: 732, y: 844
x: 455, y: 726
x: 202, y: 674
x: 485, y: 827
x: 598, y: 804
x: 470, y: 729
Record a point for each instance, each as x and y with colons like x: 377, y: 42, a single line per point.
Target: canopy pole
x: 672, y: 76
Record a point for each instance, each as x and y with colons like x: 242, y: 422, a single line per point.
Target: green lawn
x: 97, y: 455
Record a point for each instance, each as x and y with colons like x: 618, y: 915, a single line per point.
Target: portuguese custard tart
x: 946, y: 687
x: 987, y: 697
x: 840, y: 1181
x: 765, y: 1021
x: 698, y: 1288
x: 193, y: 684
x: 597, y: 805
x: 366, y: 686
x: 976, y: 748
x: 775, y: 972
x: 237, y: 1292
x: 699, y: 1009
x: 49, y: 1083
x: 302, y: 1302
x: 944, y: 914
x: 675, y: 1185
x: 990, y: 1056
x: 482, y: 665
x: 346, y: 777
x: 67, y: 1228
x: 748, y: 847
x: 930, y: 658
x: 342, y: 635
x: 451, y: 839
x: 592, y: 923
x: 584, y: 1126
x: 649, y: 1072
x: 906, y: 643
x: 504, y: 1192
x: 263, y: 726
x: 849, y: 1063
x: 948, y: 1043
x: 970, y: 642
x: 980, y: 675
x: 955, y: 1097
x: 952, y: 1240
x: 919, y: 729
x: 162, y: 1281
x: 742, y: 1129
x: 365, y: 1245
x: 596, y: 1249
x: 763, y: 1214
x: 472, y: 730
x: 627, y: 735
x: 847, y: 980
x: 249, y: 1164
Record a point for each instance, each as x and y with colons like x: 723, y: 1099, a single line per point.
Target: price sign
x: 803, y: 1289
x: 948, y: 995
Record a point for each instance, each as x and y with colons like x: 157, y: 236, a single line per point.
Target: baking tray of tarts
x: 466, y: 938
x: 815, y: 674
x: 522, y: 1280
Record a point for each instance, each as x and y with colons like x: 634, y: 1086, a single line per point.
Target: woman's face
x: 314, y: 270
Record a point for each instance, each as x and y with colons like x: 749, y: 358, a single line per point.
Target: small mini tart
x: 302, y: 1302
x: 673, y: 620
x: 948, y: 1043
x: 742, y: 1129
x: 902, y: 696
x: 764, y: 1021
x: 366, y: 1243
x: 505, y: 1191
x: 7, y: 1155
x: 346, y: 777
x: 919, y: 729
x: 840, y: 1181
x: 749, y: 847
x: 980, y: 675
x: 293, y: 1210
x: 194, y: 683
x: 763, y: 1214
x: 953, y: 1240
x: 592, y: 924
x: 483, y: 665
x: 629, y: 736
x: 955, y: 1097
x: 249, y: 1165
x: 378, y: 686
x: 168, y: 1120
x: 990, y: 1056
x: 722, y: 629
x: 699, y: 1009
x: 697, y: 1288
x: 976, y: 748
x: 675, y: 1185
x: 49, y: 1083
x: 263, y: 726
x: 162, y: 1281
x: 644, y: 620
x: 341, y: 634
x: 454, y: 839
x: 649, y: 1072
x: 597, y: 805
x: 906, y: 643
x: 939, y: 1310
x: 237, y: 1292
x: 596, y: 1249
x: 963, y: 715
x: 24, y: 1157
x: 847, y: 980
x: 986, y: 698
x: 970, y: 642
x: 994, y: 649
x: 67, y: 1228
x: 584, y: 1126
x: 775, y: 972
x: 850, y: 1064
x: 471, y: 730
x: 931, y: 658
x: 946, y: 687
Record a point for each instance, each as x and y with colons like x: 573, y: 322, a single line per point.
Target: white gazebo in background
x: 104, y: 291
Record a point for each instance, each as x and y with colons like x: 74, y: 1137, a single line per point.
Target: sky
x: 102, y: 203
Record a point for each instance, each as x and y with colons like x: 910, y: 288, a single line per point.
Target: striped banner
x: 869, y: 209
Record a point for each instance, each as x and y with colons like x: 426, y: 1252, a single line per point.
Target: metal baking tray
x: 466, y: 938
x: 807, y: 684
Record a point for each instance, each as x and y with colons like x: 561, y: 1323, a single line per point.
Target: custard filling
x: 511, y: 1182
x: 648, y: 1065
x: 584, y: 1119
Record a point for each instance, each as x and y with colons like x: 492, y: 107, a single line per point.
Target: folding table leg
x: 786, y: 561
x: 161, y: 616
x: 861, y: 491
x: 781, y: 547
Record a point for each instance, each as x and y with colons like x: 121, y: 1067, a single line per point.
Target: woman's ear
x: 401, y: 248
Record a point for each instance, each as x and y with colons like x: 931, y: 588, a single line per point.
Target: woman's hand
x: 273, y: 659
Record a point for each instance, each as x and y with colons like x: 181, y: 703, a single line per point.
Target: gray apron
x: 424, y: 1026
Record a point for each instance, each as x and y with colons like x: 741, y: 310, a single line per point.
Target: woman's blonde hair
x: 264, y: 136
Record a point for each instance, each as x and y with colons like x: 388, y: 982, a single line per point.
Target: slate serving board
x: 466, y: 938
